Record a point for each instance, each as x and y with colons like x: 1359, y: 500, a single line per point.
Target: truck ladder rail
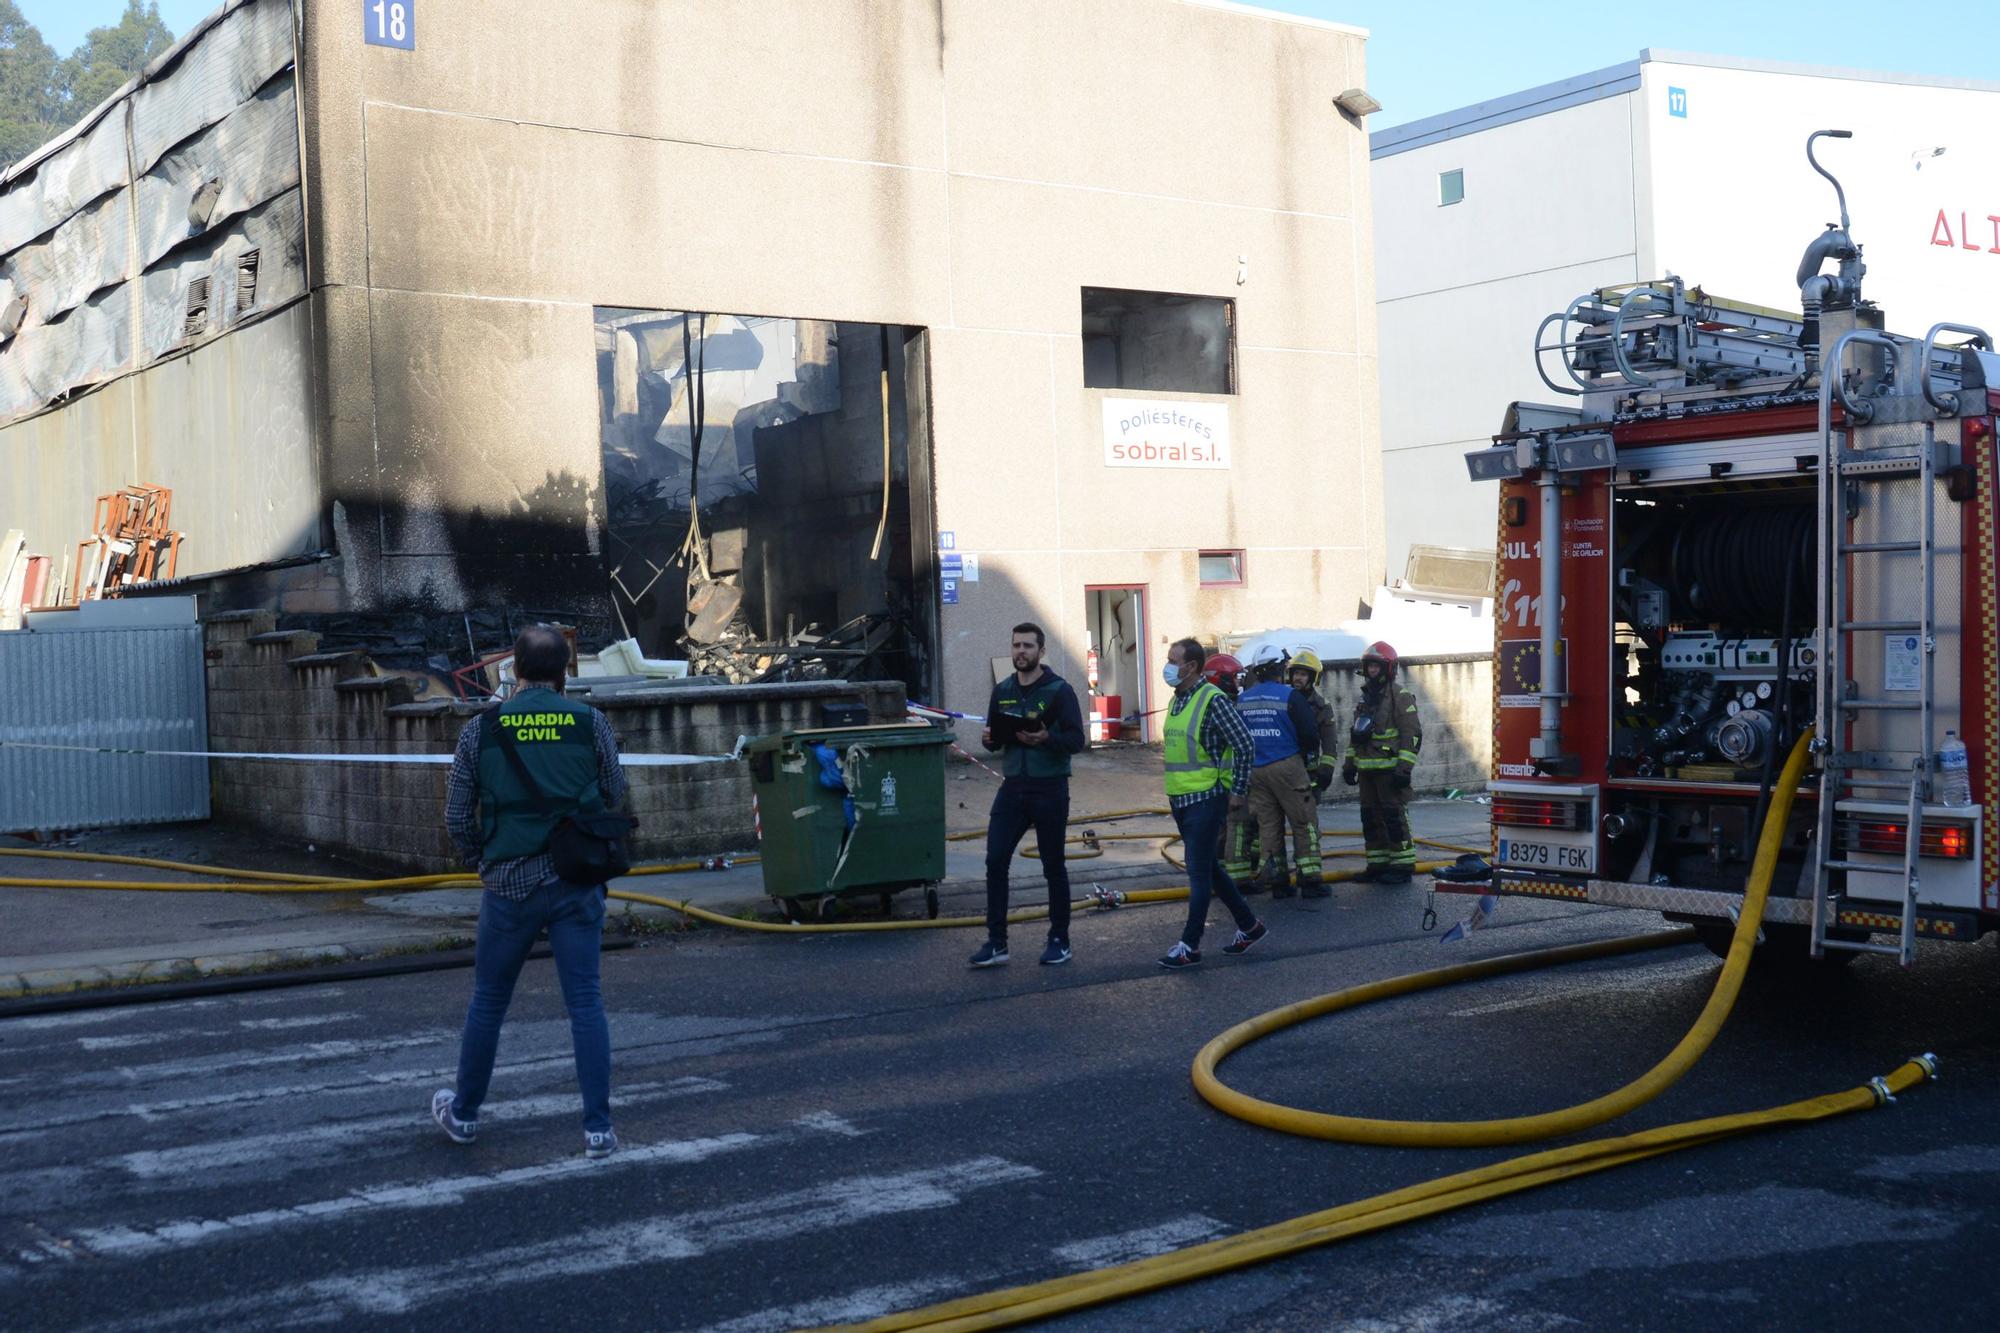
x: 1848, y: 474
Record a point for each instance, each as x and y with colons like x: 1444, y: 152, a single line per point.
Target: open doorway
x: 1115, y: 668
x: 768, y: 494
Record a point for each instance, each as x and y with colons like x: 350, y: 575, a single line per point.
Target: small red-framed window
x: 1220, y: 569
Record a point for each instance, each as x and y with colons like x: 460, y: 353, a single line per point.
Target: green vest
x: 1037, y: 701
x: 1190, y: 769
x: 557, y: 741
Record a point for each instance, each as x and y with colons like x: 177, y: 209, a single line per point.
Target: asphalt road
x: 830, y: 1128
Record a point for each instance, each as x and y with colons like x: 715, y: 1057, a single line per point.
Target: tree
x: 109, y: 56
x: 29, y: 108
x: 41, y: 96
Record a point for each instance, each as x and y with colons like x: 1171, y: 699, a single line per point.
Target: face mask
x: 1171, y: 673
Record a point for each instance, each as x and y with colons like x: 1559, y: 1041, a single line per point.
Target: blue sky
x: 1430, y: 57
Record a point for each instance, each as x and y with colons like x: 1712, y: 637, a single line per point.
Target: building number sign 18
x: 390, y: 23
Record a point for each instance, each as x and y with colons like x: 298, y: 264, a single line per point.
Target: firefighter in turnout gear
x: 1381, y: 752
x: 1286, y: 731
x: 1304, y: 673
x: 1239, y: 831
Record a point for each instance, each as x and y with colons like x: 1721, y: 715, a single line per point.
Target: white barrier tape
x: 629, y: 760
x: 926, y: 710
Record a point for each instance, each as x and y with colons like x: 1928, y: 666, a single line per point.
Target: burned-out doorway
x: 768, y: 494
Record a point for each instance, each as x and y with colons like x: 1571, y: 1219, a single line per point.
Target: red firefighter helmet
x: 1380, y: 651
x: 1219, y: 668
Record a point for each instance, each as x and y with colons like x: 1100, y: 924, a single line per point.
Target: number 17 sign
x: 390, y: 23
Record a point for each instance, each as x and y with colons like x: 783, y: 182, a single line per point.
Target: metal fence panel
x: 129, y: 686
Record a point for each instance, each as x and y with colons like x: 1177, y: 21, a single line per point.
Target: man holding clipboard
x: 1034, y: 722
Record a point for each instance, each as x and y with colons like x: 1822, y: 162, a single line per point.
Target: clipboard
x: 1007, y: 727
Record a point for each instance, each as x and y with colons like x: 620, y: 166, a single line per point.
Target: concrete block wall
x: 279, y: 692
x: 1454, y: 700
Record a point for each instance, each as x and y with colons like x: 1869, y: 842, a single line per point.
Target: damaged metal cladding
x: 759, y: 500
x: 114, y: 268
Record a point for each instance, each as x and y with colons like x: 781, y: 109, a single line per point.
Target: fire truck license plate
x: 1519, y: 854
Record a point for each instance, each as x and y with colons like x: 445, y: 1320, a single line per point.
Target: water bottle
x: 1954, y: 781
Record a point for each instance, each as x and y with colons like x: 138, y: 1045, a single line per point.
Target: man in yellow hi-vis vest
x: 1203, y: 731
x: 1382, y: 750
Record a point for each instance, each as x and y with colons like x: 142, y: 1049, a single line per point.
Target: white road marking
x: 625, y: 1244
x: 312, y: 1141
x: 119, y: 1041
x: 1125, y: 1246
x: 186, y: 1232
x: 297, y: 1021
x: 830, y: 1123
x: 650, y: 1053
x: 88, y: 1018
x: 853, y: 1307
x: 209, y: 1066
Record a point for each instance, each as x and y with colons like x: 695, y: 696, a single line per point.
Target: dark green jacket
x: 557, y: 741
x: 1052, y: 700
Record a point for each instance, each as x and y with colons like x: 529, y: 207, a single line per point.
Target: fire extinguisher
x: 1090, y: 668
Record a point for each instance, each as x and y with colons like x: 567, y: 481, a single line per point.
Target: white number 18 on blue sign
x: 390, y: 23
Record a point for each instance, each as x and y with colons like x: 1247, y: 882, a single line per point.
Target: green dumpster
x: 850, y: 811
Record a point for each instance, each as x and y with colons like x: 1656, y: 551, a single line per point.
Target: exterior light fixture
x: 1356, y: 102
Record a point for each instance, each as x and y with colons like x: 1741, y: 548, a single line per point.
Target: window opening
x: 1158, y: 341
x: 1220, y: 569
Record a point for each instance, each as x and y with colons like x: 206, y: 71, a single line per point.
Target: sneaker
x: 598, y: 1144
x: 990, y: 955
x: 458, y: 1131
x: 1180, y: 956
x: 1056, y: 952
x: 1245, y: 938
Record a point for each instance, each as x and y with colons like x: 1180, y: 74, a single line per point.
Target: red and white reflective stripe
x: 975, y: 759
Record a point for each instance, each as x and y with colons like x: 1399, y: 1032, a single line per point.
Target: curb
x: 46, y: 982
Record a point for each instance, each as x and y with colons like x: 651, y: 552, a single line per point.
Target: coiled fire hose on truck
x: 1043, y: 1300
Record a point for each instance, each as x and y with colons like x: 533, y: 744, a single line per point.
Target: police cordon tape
x: 326, y: 757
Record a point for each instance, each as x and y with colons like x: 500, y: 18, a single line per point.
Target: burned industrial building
x: 943, y: 324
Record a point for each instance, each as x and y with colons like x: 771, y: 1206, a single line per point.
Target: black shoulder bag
x: 587, y: 849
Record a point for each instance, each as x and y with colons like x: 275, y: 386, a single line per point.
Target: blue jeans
x: 1201, y: 826
x: 574, y: 919
x: 1021, y: 804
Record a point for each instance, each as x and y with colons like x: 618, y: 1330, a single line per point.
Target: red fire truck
x: 1747, y: 522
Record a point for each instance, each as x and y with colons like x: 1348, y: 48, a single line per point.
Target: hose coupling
x: 1106, y: 899
x: 1880, y: 1087
x: 1928, y: 1063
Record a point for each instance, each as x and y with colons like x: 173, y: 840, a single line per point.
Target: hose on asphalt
x: 271, y: 881
x: 1042, y: 1300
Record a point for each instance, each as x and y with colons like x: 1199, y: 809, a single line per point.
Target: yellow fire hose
x: 1044, y: 1300
x: 271, y: 881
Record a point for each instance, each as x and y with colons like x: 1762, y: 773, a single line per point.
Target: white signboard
x: 1151, y: 432
x: 1902, y: 662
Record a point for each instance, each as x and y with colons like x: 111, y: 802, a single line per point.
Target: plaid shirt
x: 518, y: 878
x: 1222, y: 729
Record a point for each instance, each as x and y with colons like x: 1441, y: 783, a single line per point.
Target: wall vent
x: 196, y: 322
x: 246, y: 281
